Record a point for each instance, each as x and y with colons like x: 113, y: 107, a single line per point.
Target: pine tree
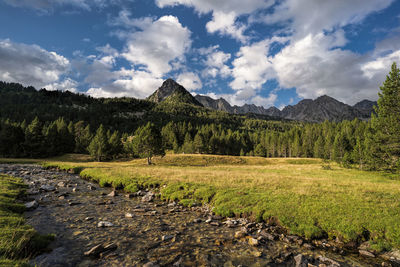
x: 198, y: 143
x: 115, y: 144
x: 319, y: 148
x: 148, y: 142
x: 99, y: 147
x: 34, y: 139
x: 386, y: 124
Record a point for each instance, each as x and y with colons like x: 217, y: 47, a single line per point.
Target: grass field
x: 18, y: 241
x: 309, y: 197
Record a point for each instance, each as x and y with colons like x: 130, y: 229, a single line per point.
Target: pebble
x: 31, y: 205
x: 167, y: 237
x: 128, y: 215
x: 253, y: 242
x: 112, y: 194
x: 104, y: 224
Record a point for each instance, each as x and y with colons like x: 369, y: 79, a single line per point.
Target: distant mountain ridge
x: 318, y: 110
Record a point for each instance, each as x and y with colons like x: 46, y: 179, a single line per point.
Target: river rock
x: 128, y: 215
x: 167, y: 237
x: 300, y: 261
x: 47, y: 188
x: 112, y: 194
x: 366, y: 253
x: 252, y: 241
x: 148, y: 197
x: 328, y: 261
x: 151, y: 264
x: 31, y: 205
x: 61, y: 184
x: 91, y: 187
x: 94, y: 251
x: 104, y: 224
x: 268, y: 236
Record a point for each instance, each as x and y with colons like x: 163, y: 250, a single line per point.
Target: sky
x: 263, y: 52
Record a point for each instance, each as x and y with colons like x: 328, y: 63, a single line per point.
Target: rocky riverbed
x: 101, y: 227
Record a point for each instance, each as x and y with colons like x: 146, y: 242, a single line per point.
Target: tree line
x: 369, y: 145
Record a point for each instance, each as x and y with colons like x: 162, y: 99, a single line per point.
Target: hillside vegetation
x: 310, y: 197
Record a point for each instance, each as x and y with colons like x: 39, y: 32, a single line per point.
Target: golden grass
x: 306, y: 198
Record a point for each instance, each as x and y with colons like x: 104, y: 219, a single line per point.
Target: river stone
x: 128, y: 215
x: 112, y: 194
x: 252, y: 241
x: 300, y: 261
x: 151, y: 264
x: 329, y: 261
x: 148, y: 197
x: 240, y: 234
x: 267, y: 235
x: 366, y: 253
x: 31, y: 205
x: 47, y: 188
x: 61, y: 184
x: 104, y: 224
x: 91, y: 187
x: 167, y: 237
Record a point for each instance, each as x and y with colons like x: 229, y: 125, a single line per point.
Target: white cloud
x: 66, y: 85
x: 377, y: 69
x: 226, y: 24
x: 252, y: 66
x: 264, y: 101
x: 312, y: 16
x: 238, y: 100
x: 159, y: 45
x: 225, y: 13
x: 315, y: 67
x: 215, y: 62
x: 190, y: 81
x: 30, y: 64
x: 139, y: 84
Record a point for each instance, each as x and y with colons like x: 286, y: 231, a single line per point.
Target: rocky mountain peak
x: 173, y: 92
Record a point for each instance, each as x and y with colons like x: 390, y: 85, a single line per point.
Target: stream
x: 97, y: 226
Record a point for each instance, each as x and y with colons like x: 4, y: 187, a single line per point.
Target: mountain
x: 223, y: 105
x: 172, y: 92
x: 318, y: 110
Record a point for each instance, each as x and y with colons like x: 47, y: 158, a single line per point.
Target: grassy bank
x: 18, y: 241
x: 304, y: 195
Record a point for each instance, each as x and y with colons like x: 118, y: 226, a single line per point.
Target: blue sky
x: 264, y: 52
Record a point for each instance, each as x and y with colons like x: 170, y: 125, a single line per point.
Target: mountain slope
x: 173, y: 93
x: 318, y: 110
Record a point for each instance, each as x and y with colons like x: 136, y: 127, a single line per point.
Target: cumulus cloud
x: 30, y: 64
x: 158, y: 45
x: 133, y: 83
x: 252, y: 68
x: 312, y: 16
x: 66, y: 85
x: 224, y: 12
x: 215, y: 62
x: 315, y: 67
x: 190, y: 81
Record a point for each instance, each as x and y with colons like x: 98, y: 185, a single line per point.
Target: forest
x: 106, y: 129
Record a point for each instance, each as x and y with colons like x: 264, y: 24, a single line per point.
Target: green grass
x: 302, y: 195
x: 18, y: 241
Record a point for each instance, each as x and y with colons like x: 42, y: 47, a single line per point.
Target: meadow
x: 310, y: 197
